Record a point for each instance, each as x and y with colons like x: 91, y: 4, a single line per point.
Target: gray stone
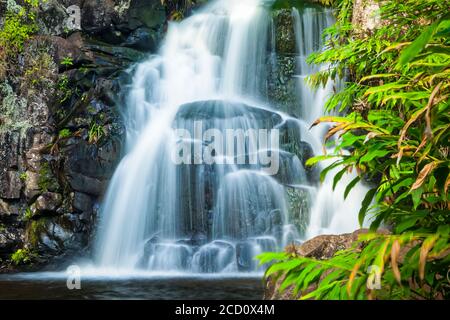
x: 52, y: 17
x: 7, y: 209
x: 82, y: 202
x: 97, y: 15
x: 10, y: 240
x: 221, y: 109
x: 244, y: 256
x: 31, y: 185
x: 151, y: 13
x: 48, y: 202
x: 10, y: 185
x: 143, y: 39
x: 92, y: 160
x: 9, y: 149
x: 53, y: 235
x: 86, y: 184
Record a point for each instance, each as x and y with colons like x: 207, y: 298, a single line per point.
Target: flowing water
x: 212, y: 74
x: 213, y: 215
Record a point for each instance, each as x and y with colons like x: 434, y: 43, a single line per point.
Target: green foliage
x: 67, y: 61
x: 64, y: 90
x: 22, y: 256
x: 23, y: 176
x: 18, y: 26
x: 287, y: 4
x: 96, y: 132
x: 40, y: 71
x: 28, y: 214
x: 46, y: 181
x: 396, y: 135
x: 64, y: 134
x: 13, y: 114
x: 418, y: 271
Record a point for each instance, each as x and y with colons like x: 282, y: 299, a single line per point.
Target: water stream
x: 214, y: 215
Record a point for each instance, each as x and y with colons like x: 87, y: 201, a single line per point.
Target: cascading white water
x: 212, y: 70
x: 330, y: 213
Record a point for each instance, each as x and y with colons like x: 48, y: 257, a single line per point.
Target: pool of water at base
x: 153, y: 288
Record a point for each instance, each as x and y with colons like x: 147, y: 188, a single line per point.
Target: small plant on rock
x: 22, y: 256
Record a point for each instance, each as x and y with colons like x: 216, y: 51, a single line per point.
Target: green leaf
x: 350, y: 186
x: 338, y: 177
x: 370, y: 155
x: 416, y: 196
x: 269, y: 256
x: 284, y: 266
x: 314, y: 160
x: 365, y: 205
x: 417, y: 46
x: 407, y: 223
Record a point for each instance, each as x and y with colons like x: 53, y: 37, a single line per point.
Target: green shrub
x: 396, y: 135
x: 19, y: 24
x: 21, y: 256
x: 65, y: 133
x: 28, y: 214
x: 96, y: 132
x: 23, y: 176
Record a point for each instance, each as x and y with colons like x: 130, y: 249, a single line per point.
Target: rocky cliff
x: 60, y: 126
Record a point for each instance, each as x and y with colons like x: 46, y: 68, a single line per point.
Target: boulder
x: 48, y: 202
x: 221, y: 109
x: 97, y: 15
x: 66, y: 48
x: 82, y: 202
x: 39, y: 141
x: 52, y: 17
x: 283, y: 85
x: 214, y: 257
x: 244, y: 256
x: 53, y: 235
x: 142, y: 39
x: 8, y: 210
x: 150, y: 13
x: 91, y: 161
x: 85, y: 184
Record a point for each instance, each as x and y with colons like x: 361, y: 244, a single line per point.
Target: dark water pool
x: 193, y: 288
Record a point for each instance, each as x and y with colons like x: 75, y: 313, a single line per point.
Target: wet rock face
x: 52, y: 17
x: 285, y: 35
x: 60, y: 130
x: 282, y: 85
x: 10, y: 239
x: 10, y: 185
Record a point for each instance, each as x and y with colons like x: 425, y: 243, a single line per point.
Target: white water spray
x: 212, y: 68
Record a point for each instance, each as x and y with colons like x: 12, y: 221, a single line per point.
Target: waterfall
x: 330, y: 213
x: 214, y: 214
